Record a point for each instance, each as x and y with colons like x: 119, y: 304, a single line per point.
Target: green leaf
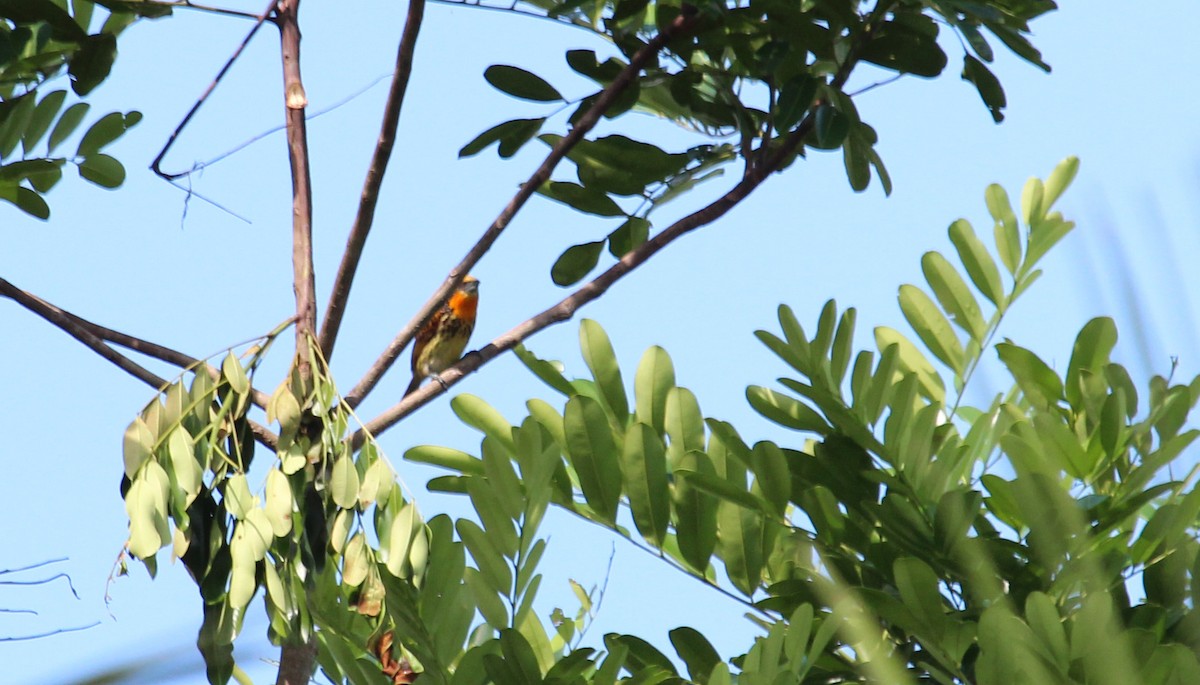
x: 912, y: 361
x: 1059, y: 180
x: 695, y: 512
x: 91, y: 64
x: 575, y: 263
x: 234, y: 374
x: 620, y: 165
x: 238, y: 500
x: 907, y: 49
x: 102, y: 170
x: 550, y: 372
x: 977, y: 261
x: 628, y: 236
x: 988, y: 86
x: 344, y: 482
x: 644, y: 471
x: 67, y: 124
x: 1093, y: 346
x: 651, y: 384
x: 406, y: 535
x: 831, y: 127
x: 740, y: 536
x: 520, y: 83
x: 445, y: 457
x: 684, y: 423
x: 107, y: 129
x: 582, y: 198
x: 932, y: 327
x: 512, y: 136
x: 188, y: 475
x: 491, y: 562
x: 40, y: 120
x: 786, y: 411
x: 1038, y: 381
x: 15, y: 114
x: 795, y: 98
x: 602, y: 362
x: 279, y: 502
x: 478, y: 414
x: 696, y: 652
x: 593, y: 454
x: 138, y: 446
x: 954, y: 295
x: 1007, y: 230
x: 918, y: 586
x: 1042, y: 617
x: 771, y: 474
x: 26, y: 200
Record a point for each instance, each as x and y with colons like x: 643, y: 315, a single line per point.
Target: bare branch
x: 370, y: 192
x: 156, y: 165
x: 295, y: 102
x: 93, y: 336
x: 567, y: 307
x: 608, y: 96
x: 150, y: 349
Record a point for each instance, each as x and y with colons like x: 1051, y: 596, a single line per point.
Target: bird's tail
x: 416, y: 383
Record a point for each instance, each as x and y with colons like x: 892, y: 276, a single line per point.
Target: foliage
x: 41, y: 41
x: 907, y: 537
x: 885, y: 547
x: 749, y: 80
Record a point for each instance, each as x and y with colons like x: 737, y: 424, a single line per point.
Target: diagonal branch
x: 683, y: 23
x: 93, y: 336
x: 370, y: 192
x: 156, y: 165
x: 755, y: 175
x: 567, y: 307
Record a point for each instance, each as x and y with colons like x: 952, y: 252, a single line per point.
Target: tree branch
x: 94, y: 336
x: 566, y: 308
x: 370, y: 193
x: 608, y: 96
x: 156, y: 165
x: 295, y: 102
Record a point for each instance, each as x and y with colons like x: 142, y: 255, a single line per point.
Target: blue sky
x: 143, y: 261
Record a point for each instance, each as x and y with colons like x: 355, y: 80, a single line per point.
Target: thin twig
x: 608, y: 96
x: 567, y: 307
x: 200, y: 166
x: 30, y: 567
x: 357, y: 239
x: 155, y: 166
x: 189, y: 5
x: 37, y: 636
x: 512, y: 9
x: 93, y: 336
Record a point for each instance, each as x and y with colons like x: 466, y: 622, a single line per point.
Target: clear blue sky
x: 194, y: 278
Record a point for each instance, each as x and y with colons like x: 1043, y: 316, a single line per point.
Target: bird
x: 441, y: 341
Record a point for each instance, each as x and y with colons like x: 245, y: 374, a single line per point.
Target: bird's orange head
x: 465, y: 299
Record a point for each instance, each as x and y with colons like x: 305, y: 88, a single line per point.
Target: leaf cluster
x: 905, y: 538
x: 40, y: 41
x: 758, y: 83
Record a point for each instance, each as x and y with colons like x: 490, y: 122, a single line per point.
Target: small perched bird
x: 441, y: 341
